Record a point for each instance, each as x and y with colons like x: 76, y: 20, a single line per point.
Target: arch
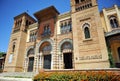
x: 63, y: 41
x: 27, y: 50
x: 45, y: 48
x: 42, y: 41
x: 85, y: 25
x: 66, y: 45
x: 86, y: 29
x: 30, y: 52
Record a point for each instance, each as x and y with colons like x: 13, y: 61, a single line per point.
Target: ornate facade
x: 79, y: 39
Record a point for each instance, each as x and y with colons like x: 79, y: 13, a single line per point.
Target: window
x: 47, y: 48
x: 86, y: 31
x: 46, y: 31
x: 30, y: 52
x: 113, y: 22
x: 33, y: 34
x: 69, y: 26
x: 66, y: 45
x: 65, y: 26
x: 77, y: 1
x: 13, y: 47
x: 27, y: 23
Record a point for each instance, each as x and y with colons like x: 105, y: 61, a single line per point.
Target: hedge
x: 77, y: 76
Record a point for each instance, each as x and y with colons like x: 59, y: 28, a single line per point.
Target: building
x: 79, y: 39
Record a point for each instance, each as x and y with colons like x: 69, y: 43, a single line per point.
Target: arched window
x: 113, y: 22
x: 87, y: 33
x: 119, y: 52
x: 30, y: 52
x: 13, y: 47
x: 86, y: 30
x: 66, y: 45
x: 47, y: 48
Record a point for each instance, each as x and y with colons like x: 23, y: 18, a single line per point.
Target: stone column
x: 41, y: 60
x: 60, y: 60
x: 107, y: 21
x: 37, y: 63
x: 52, y: 61
x: 118, y: 13
x: 26, y: 64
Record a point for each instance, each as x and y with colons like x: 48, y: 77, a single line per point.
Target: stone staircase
x: 18, y: 74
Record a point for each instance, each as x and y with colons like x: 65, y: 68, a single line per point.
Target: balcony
x: 46, y: 34
x: 84, y: 5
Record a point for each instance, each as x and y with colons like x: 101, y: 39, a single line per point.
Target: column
x: 118, y: 13
x: 52, y: 60
x: 40, y: 60
x: 26, y: 64
x: 37, y: 63
x: 107, y: 21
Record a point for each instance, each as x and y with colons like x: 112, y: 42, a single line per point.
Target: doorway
x: 30, y: 64
x: 119, y: 52
x: 68, y: 61
x: 47, y: 62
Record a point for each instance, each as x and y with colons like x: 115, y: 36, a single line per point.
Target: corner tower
x: 88, y: 37
x: 16, y: 50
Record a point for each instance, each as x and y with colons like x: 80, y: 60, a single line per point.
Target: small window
x: 77, y: 1
x: 46, y: 31
x: 27, y: 23
x: 86, y: 27
x: 87, y: 33
x: 113, y: 22
x: 13, y: 47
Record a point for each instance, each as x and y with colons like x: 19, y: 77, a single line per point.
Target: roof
x: 24, y: 14
x: 49, y: 10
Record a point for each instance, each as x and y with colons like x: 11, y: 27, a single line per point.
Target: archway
x: 66, y: 50
x: 45, y: 49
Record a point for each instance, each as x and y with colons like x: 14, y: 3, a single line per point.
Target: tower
x: 16, y: 50
x: 88, y: 37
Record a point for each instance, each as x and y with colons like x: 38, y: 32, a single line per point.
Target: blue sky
x: 12, y: 8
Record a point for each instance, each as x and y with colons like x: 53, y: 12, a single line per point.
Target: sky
x: 11, y: 8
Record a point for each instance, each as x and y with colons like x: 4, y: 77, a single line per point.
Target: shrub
x: 77, y: 76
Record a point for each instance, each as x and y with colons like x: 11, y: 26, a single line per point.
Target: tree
x: 1, y: 54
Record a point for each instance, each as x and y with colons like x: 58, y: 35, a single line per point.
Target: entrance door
x: 31, y: 64
x: 47, y: 61
x: 119, y: 52
x: 68, y: 61
x: 118, y: 64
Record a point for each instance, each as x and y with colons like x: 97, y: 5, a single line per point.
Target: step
x: 15, y: 79
x: 18, y: 74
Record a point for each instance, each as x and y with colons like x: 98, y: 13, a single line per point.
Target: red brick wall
x: 43, y: 23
